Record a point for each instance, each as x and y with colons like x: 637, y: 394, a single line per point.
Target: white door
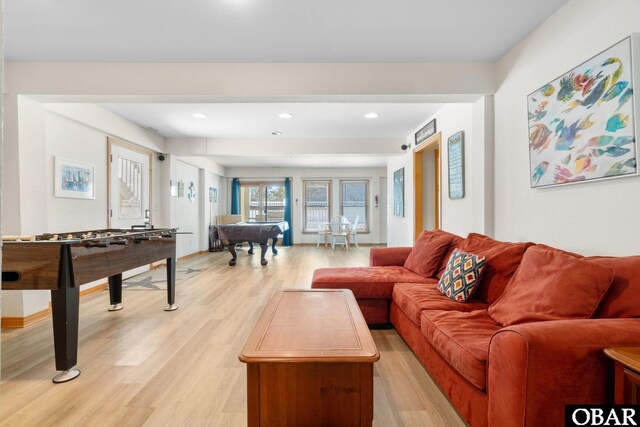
x: 129, y: 187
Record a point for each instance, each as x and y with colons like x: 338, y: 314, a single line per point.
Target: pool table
x: 252, y: 232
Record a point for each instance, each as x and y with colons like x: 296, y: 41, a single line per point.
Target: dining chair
x: 324, y: 234
x: 339, y: 231
x: 353, y: 231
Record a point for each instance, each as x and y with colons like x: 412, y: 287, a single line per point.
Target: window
x: 262, y: 201
x: 317, y: 204
x: 354, y: 202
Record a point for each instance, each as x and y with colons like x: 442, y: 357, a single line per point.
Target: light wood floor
x: 145, y: 366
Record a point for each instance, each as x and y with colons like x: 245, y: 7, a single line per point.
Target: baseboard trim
x: 94, y: 290
x: 182, y: 258
x: 23, y: 322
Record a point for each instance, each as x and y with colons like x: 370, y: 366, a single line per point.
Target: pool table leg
x: 250, y: 248
x: 273, y: 246
x: 234, y: 254
x: 263, y: 252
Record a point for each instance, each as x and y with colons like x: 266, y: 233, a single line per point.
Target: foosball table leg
x: 171, y: 285
x: 115, y: 292
x: 65, y: 304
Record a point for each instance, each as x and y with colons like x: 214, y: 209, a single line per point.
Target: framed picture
x: 73, y: 180
x: 398, y: 192
x: 173, y: 186
x: 427, y: 130
x: 181, y: 188
x: 213, y: 195
x: 582, y: 124
x: 455, y: 156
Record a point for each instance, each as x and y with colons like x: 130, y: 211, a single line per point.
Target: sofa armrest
x: 536, y: 368
x: 380, y: 257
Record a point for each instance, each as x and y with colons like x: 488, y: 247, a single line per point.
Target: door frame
x: 129, y: 146
x: 418, y: 183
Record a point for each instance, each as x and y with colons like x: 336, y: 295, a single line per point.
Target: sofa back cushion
x: 623, y: 297
x: 552, y: 285
x: 427, y: 253
x: 503, y: 258
x: 456, y: 243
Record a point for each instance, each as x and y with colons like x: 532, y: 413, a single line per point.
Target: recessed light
x: 285, y: 115
x: 371, y: 115
x: 199, y: 115
x: 276, y: 133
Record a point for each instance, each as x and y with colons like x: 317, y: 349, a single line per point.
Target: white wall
x: 188, y: 214
x: 590, y: 218
x: 373, y: 175
x: 72, y: 132
x: 457, y: 216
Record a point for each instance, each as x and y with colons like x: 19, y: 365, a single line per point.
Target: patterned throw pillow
x: 462, y: 275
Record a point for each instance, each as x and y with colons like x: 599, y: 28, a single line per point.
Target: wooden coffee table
x: 627, y: 374
x: 310, y: 361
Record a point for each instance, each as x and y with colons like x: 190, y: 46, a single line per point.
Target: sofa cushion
x: 552, y: 285
x: 503, y: 259
x: 413, y: 298
x: 462, y: 339
x: 462, y: 276
x: 366, y: 282
x: 427, y: 253
x: 623, y: 297
x: 456, y: 243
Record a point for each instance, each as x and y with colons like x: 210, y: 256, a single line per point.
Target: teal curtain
x: 286, y: 238
x: 235, y: 196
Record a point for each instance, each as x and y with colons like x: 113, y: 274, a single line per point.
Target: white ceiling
x: 268, y: 30
x: 317, y: 120
x: 272, y: 31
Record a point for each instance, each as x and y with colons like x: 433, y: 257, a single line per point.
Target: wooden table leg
x: 171, y: 284
x: 253, y: 394
x: 234, y: 254
x: 65, y: 307
x: 263, y: 253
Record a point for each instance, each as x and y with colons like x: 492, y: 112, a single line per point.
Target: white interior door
x: 129, y: 187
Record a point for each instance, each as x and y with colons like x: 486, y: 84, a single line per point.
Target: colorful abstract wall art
x: 582, y: 125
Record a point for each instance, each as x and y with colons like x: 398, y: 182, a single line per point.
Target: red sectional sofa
x: 509, y: 356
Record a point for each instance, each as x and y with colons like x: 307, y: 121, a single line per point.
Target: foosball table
x: 62, y: 262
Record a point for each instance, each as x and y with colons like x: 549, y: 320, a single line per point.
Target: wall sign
x: 398, y: 192
x: 427, y: 130
x: 455, y: 154
x: 181, y: 188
